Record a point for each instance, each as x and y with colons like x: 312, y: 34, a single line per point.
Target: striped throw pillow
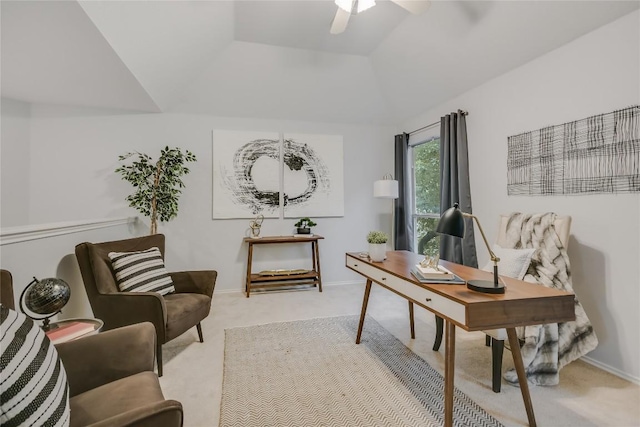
x: 33, y: 386
x: 141, y: 271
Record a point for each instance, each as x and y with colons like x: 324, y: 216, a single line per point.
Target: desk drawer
x: 439, y: 304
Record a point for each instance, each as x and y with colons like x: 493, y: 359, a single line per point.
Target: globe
x: 47, y: 296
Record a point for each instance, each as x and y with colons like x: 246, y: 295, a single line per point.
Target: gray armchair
x: 172, y: 314
x: 6, y: 289
x: 110, y: 376
x: 112, y: 383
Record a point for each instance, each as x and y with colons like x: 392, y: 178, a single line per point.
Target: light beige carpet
x: 311, y: 373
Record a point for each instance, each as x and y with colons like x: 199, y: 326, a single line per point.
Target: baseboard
x: 227, y: 291
x: 611, y: 370
x: 346, y: 282
x: 324, y: 285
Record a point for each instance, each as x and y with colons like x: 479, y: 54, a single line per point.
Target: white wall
x: 74, y: 154
x: 597, y: 73
x: 295, y: 84
x: 54, y: 256
x: 15, y: 165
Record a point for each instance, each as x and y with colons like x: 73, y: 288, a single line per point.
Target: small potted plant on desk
x: 304, y: 225
x: 377, y: 245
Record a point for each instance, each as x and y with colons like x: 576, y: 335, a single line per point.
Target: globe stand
x: 46, y: 298
x: 46, y: 324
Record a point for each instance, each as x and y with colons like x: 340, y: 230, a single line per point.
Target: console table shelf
x: 311, y: 277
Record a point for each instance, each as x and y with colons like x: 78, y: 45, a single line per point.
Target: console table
x: 311, y: 277
x: 522, y: 304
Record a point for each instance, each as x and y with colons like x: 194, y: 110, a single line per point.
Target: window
x: 425, y: 178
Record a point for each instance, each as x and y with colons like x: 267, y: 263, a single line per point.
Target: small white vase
x: 377, y: 251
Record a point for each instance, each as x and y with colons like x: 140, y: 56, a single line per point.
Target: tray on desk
x: 455, y: 281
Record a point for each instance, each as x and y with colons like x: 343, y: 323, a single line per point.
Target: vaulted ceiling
x: 276, y: 59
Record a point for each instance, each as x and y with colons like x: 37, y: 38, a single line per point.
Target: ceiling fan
x: 346, y: 8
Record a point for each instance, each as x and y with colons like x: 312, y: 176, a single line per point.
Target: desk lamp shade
x: 44, y: 299
x: 386, y: 188
x: 452, y: 224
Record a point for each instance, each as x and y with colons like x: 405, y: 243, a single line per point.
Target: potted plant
x: 304, y: 225
x: 157, y: 184
x: 377, y: 245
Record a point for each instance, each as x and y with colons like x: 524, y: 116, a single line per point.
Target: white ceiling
x: 51, y: 53
x: 305, y: 25
x: 276, y: 59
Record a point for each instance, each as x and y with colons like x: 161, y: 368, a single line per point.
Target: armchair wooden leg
x: 487, y: 340
x: 439, y: 330
x: 497, y: 349
x: 199, y: 328
x: 159, y: 358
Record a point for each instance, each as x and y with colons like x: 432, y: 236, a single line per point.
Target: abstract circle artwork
x: 297, y: 157
x: 297, y: 174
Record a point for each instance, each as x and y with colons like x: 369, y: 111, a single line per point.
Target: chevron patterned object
x: 311, y: 373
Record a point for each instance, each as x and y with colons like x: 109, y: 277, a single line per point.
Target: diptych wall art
x: 290, y: 175
x: 313, y: 176
x: 599, y: 154
x: 246, y: 174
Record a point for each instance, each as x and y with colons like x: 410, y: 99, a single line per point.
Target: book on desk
x: 69, y: 331
x: 440, y: 273
x: 430, y: 275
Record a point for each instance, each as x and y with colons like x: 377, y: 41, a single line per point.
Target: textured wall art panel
x: 246, y: 174
x: 313, y: 175
x: 599, y: 154
x: 262, y: 173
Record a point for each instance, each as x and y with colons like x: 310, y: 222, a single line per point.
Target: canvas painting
x: 313, y: 177
x: 246, y: 174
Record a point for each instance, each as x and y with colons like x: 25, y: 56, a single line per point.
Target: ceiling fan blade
x: 414, y: 6
x: 340, y: 21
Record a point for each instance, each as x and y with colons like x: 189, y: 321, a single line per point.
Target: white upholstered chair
x: 496, y: 337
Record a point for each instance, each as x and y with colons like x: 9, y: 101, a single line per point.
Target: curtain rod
x: 464, y: 113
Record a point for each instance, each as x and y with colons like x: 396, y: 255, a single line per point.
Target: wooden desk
x: 312, y: 277
x: 522, y: 304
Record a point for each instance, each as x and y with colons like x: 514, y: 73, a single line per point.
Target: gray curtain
x: 403, y: 226
x: 454, y: 187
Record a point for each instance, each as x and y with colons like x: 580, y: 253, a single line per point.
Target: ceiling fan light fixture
x: 347, y: 8
x: 364, y: 5
x: 345, y: 5
x: 355, y: 6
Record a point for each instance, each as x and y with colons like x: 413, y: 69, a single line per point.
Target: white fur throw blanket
x: 547, y: 348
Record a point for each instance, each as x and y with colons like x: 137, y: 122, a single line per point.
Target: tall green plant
x: 157, y: 185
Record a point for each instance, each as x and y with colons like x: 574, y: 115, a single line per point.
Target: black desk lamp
x: 452, y: 224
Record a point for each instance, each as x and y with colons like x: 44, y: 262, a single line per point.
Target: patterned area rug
x: 311, y: 373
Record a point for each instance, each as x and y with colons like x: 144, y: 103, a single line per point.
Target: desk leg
x: 411, y: 322
x: 522, y: 376
x: 247, y: 285
x: 365, y: 301
x: 439, y: 329
x: 316, y: 262
x: 449, y: 372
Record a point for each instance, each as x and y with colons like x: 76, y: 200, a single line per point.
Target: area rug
x: 311, y: 373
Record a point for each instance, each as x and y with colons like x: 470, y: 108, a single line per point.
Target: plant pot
x: 304, y: 231
x: 377, y: 251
